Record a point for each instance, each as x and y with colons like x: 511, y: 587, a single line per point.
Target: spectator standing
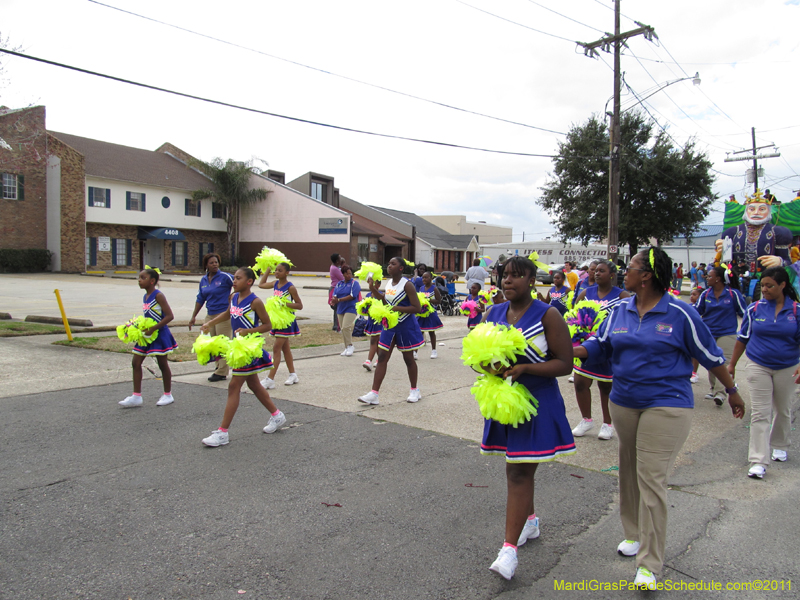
x: 674, y: 275
x: 679, y: 279
x: 572, y: 276
x: 336, y: 276
x: 475, y: 274
x: 693, y: 275
x: 215, y: 291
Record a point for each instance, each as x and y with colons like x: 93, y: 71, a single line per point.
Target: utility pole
x: 754, y: 156
x: 590, y: 49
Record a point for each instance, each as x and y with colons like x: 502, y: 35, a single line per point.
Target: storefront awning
x: 160, y: 233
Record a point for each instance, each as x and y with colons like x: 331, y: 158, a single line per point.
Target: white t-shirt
x: 475, y: 275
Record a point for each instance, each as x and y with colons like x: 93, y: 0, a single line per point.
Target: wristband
x: 732, y: 390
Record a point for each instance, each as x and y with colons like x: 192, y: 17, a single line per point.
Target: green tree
x: 232, y: 188
x: 665, y: 191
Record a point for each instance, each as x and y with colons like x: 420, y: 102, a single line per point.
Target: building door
x: 154, y: 253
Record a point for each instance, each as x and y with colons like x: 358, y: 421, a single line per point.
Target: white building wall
x: 424, y: 252
x: 288, y: 216
x: 155, y: 214
x: 53, y: 188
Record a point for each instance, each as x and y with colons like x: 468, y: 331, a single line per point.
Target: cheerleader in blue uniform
x: 432, y: 323
x: 155, y: 307
x: 284, y: 288
x: 406, y: 335
x: 609, y: 295
x: 546, y: 435
x: 245, y: 311
x: 558, y: 294
x: 373, y: 331
x: 474, y: 295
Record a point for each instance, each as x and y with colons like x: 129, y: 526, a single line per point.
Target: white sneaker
x: 529, y: 532
x: 506, y: 563
x: 434, y: 354
x: 375, y: 362
x: 606, y: 432
x: 217, y: 438
x: 628, y: 548
x: 757, y: 472
x: 415, y: 355
x: 131, y: 402
x: 583, y: 427
x: 344, y: 352
x: 349, y: 351
x: 571, y: 379
x: 414, y: 396
x: 367, y: 365
x: 709, y: 395
x: 269, y: 384
x: 644, y: 579
x: 693, y: 378
x: 369, y: 398
x: 275, y: 423
x: 165, y: 399
x: 779, y: 455
x: 293, y: 378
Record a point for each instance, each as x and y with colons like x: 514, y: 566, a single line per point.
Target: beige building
x: 458, y: 225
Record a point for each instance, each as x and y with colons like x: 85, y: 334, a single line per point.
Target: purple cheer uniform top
x: 548, y: 434
x: 432, y: 322
x: 292, y: 330
x: 244, y: 317
x: 406, y: 335
x: 164, y: 342
x: 600, y: 371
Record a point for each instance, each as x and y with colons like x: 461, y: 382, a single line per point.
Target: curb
x: 58, y: 321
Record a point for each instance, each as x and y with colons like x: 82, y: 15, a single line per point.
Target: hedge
x: 24, y: 261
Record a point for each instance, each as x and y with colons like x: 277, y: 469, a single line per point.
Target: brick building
x: 97, y: 205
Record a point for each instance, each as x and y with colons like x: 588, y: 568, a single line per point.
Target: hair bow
x: 534, y: 258
x: 156, y: 269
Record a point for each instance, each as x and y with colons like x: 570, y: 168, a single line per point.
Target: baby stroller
x: 449, y: 304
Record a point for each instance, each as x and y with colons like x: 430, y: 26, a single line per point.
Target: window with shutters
x: 121, y: 252
x: 192, y: 208
x: 100, y: 197
x: 135, y: 201
x: 13, y: 187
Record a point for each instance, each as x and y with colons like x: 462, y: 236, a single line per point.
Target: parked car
x: 546, y: 276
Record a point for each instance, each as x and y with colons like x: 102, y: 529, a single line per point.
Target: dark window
x: 192, y: 208
x: 13, y: 187
x: 165, y: 202
x: 218, y: 210
x: 100, y: 197
x: 135, y: 201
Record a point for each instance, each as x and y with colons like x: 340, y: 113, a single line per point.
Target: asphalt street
x: 347, y: 501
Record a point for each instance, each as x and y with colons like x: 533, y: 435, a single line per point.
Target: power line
x: 299, y: 64
x: 264, y: 112
x: 565, y: 16
x: 558, y: 37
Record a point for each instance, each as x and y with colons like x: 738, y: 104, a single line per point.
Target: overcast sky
x: 746, y: 52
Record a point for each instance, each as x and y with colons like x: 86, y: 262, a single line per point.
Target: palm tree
x: 231, y: 189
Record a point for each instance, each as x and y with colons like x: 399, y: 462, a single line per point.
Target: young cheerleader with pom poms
x: 372, y: 330
x: 608, y: 296
x: 286, y: 290
x: 546, y: 435
x: 156, y: 308
x: 558, y: 294
x: 402, y: 299
x: 431, y: 323
x: 473, y: 306
x: 248, y: 315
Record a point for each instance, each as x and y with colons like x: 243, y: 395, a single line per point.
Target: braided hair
x: 661, y: 268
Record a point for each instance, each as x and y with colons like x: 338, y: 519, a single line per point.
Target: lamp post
x: 614, y: 152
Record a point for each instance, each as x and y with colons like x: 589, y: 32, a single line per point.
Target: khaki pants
x: 649, y: 441
x: 771, y: 393
x: 726, y: 343
x: 223, y: 328
x: 346, y: 326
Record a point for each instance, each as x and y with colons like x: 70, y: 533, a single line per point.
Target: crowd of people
x: 644, y: 356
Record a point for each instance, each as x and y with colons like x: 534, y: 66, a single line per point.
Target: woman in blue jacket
x: 720, y: 305
x: 771, y: 338
x: 215, y: 292
x: 650, y: 340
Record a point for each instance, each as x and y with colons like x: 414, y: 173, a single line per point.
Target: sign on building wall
x: 332, y: 226
x: 104, y: 244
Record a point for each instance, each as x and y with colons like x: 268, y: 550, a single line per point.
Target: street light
x: 614, y: 162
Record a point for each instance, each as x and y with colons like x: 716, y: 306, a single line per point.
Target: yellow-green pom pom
x: 244, y: 349
x: 208, y: 348
x: 268, y: 259
x: 280, y: 315
x: 504, y: 402
x: 362, y: 308
x: 425, y: 305
x: 383, y: 314
x: 490, y: 346
x: 367, y: 269
x: 408, y: 262
x: 132, y: 332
